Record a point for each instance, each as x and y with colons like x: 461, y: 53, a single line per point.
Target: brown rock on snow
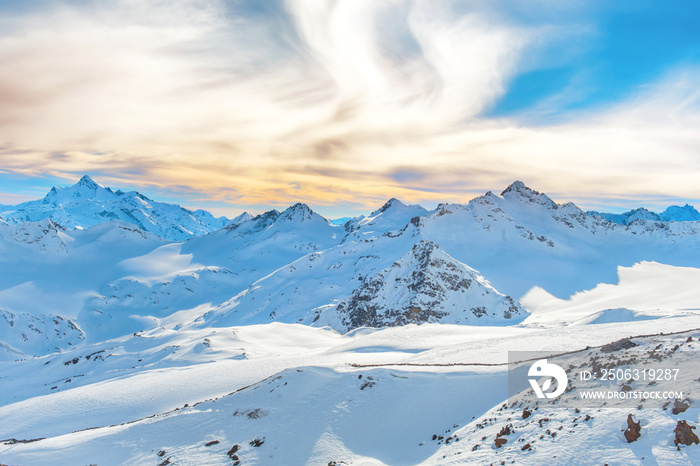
x: 680, y: 406
x: 634, y: 429
x: 618, y: 345
x: 684, y: 434
x: 500, y: 441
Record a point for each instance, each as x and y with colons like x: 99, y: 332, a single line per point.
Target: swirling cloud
x: 340, y: 103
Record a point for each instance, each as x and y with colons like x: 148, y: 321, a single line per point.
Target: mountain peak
x: 299, y: 212
x: 517, y: 186
x: 427, y: 285
x: 393, y: 202
x: 518, y: 190
x: 87, y: 182
x: 677, y: 213
x: 641, y: 213
x: 85, y: 188
x: 244, y: 217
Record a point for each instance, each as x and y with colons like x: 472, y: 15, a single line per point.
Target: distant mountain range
x: 112, y: 263
x: 687, y: 213
x: 87, y: 203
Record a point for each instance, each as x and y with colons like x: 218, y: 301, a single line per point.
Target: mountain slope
x: 35, y: 334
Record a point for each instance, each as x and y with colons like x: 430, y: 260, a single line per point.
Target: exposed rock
x: 257, y: 442
x: 680, y: 406
x: 634, y: 429
x: 500, y: 441
x: 618, y: 345
x: 232, y: 452
x: 684, y: 434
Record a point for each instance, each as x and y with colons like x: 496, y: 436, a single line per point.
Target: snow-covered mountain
x: 392, y: 216
x: 291, y: 394
x: 675, y: 213
x: 523, y: 239
x: 119, y: 345
x: 628, y: 217
x: 687, y: 213
x: 427, y: 285
x: 297, y: 267
x: 87, y: 203
x: 377, y: 282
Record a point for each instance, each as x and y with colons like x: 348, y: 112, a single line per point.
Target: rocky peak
x: 641, y: 214
x: 517, y: 187
x: 426, y: 285
x: 85, y: 188
x: 522, y: 193
x: 299, y: 212
x: 244, y: 217
x: 391, y: 203
x: 257, y: 223
x: 87, y: 182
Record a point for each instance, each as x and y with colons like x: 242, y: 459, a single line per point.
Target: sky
x: 245, y: 105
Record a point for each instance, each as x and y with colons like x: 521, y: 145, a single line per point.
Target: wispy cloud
x: 336, y: 103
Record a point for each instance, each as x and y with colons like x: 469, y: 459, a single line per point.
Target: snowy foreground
x: 291, y: 394
x: 136, y: 332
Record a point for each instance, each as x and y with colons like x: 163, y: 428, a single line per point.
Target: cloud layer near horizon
x: 341, y: 103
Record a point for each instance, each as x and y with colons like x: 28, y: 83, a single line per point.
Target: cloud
x: 334, y: 103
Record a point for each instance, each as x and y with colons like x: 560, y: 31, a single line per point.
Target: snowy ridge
x: 130, y: 304
x: 307, y: 289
